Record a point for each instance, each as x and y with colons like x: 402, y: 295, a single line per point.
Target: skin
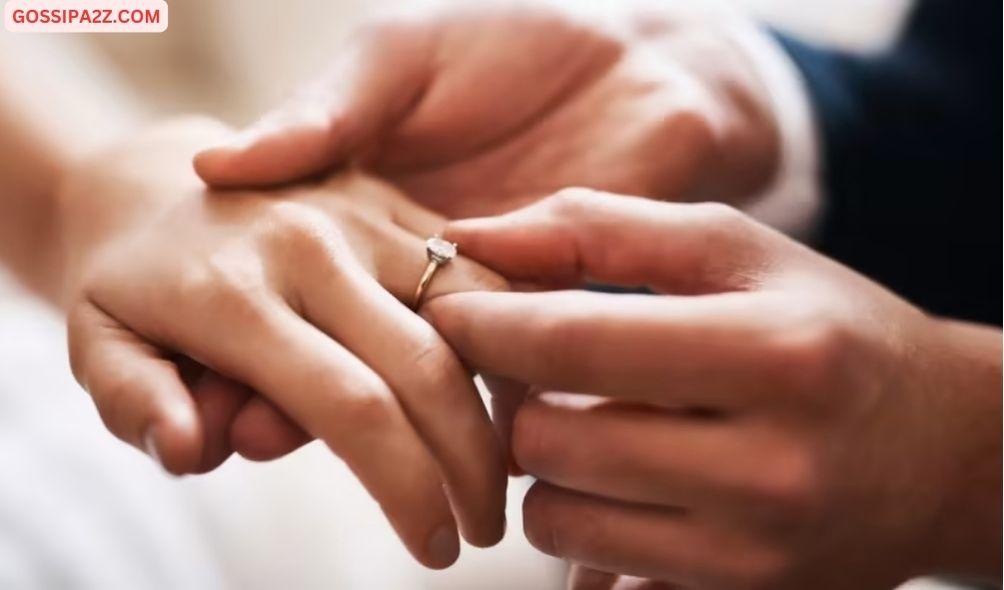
x: 768, y: 419
x: 302, y: 296
x: 33, y: 160
x: 186, y: 319
x: 441, y: 100
x: 203, y: 324
x: 443, y: 103
x: 477, y: 110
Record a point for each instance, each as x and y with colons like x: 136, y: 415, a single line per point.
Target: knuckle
x: 357, y: 414
x: 114, y: 397
x: 297, y: 228
x: 729, y: 246
x: 435, y: 362
x: 724, y: 222
x: 788, y: 485
x: 195, y: 284
x: 725, y: 225
x: 573, y: 202
x: 306, y: 241
x: 225, y: 284
x: 368, y: 411
x: 810, y: 349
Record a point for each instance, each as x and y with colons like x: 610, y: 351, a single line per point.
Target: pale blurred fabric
x: 80, y: 510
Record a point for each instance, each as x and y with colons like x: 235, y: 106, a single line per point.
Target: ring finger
x: 435, y: 390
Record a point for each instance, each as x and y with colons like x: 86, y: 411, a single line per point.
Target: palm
x: 523, y: 103
x: 478, y: 111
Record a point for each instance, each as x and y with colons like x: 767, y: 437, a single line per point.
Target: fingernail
x: 454, y: 230
x: 443, y: 546
x: 150, y: 446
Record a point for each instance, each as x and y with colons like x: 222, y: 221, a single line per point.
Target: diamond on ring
x: 439, y: 250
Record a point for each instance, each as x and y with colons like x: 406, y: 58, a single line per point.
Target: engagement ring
x: 440, y: 252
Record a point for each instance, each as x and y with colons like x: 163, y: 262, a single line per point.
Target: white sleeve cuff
x: 793, y: 202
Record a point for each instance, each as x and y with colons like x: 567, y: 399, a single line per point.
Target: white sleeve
x: 793, y: 202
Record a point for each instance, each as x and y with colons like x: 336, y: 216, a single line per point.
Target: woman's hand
x: 771, y: 420
x: 297, y: 294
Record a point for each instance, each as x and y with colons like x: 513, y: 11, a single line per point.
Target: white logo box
x: 85, y: 16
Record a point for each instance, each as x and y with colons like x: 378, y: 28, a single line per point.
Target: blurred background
x: 78, y: 509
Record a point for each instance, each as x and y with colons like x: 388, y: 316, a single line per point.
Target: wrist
x: 41, y: 138
x: 111, y: 194
x: 967, y: 534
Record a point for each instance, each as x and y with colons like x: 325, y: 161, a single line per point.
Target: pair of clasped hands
x: 730, y: 430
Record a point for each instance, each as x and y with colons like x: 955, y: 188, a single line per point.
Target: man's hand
x: 475, y: 109
x: 299, y: 294
x: 770, y: 419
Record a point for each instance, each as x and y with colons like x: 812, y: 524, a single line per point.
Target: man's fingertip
x: 206, y: 164
x: 443, y: 547
x: 216, y: 165
x: 492, y: 535
x: 212, y: 166
x: 461, y: 231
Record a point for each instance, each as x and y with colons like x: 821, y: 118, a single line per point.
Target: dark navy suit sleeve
x: 912, y: 171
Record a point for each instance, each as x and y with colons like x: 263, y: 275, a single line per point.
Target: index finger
x: 578, y: 235
x: 703, y: 351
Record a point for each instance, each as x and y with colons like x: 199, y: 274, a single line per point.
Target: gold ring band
x: 430, y: 270
x: 440, y: 253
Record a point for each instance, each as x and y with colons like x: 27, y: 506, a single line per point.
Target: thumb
x: 371, y: 86
x: 581, y: 235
